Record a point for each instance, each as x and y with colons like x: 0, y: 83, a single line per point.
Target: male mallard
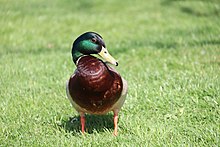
x: 95, y: 87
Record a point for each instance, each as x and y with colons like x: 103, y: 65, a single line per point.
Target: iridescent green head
x: 91, y: 43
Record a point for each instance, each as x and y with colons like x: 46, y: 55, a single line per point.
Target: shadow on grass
x: 94, y: 123
x: 191, y: 10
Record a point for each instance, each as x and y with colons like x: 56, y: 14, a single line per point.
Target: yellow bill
x: 105, y: 55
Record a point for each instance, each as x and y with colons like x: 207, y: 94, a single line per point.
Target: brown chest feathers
x: 95, y: 86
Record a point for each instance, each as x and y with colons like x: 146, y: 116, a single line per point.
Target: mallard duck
x: 95, y: 87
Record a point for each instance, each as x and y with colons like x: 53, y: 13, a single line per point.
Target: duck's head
x: 91, y: 43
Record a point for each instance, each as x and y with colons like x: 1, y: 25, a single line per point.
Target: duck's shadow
x: 98, y: 123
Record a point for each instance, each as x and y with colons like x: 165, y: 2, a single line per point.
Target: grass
x: 168, y: 51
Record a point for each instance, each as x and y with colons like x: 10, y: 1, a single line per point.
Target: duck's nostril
x: 116, y: 63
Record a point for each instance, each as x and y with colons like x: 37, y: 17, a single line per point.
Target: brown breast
x: 95, y: 87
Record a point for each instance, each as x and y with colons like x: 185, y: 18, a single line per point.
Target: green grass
x: 168, y: 51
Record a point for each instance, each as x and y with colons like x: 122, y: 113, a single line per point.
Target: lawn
x: 168, y: 51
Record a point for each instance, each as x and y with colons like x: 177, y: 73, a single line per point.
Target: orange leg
x: 83, y: 120
x: 115, y: 122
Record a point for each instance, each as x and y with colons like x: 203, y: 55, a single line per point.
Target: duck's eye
x: 93, y: 40
x: 105, y: 52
